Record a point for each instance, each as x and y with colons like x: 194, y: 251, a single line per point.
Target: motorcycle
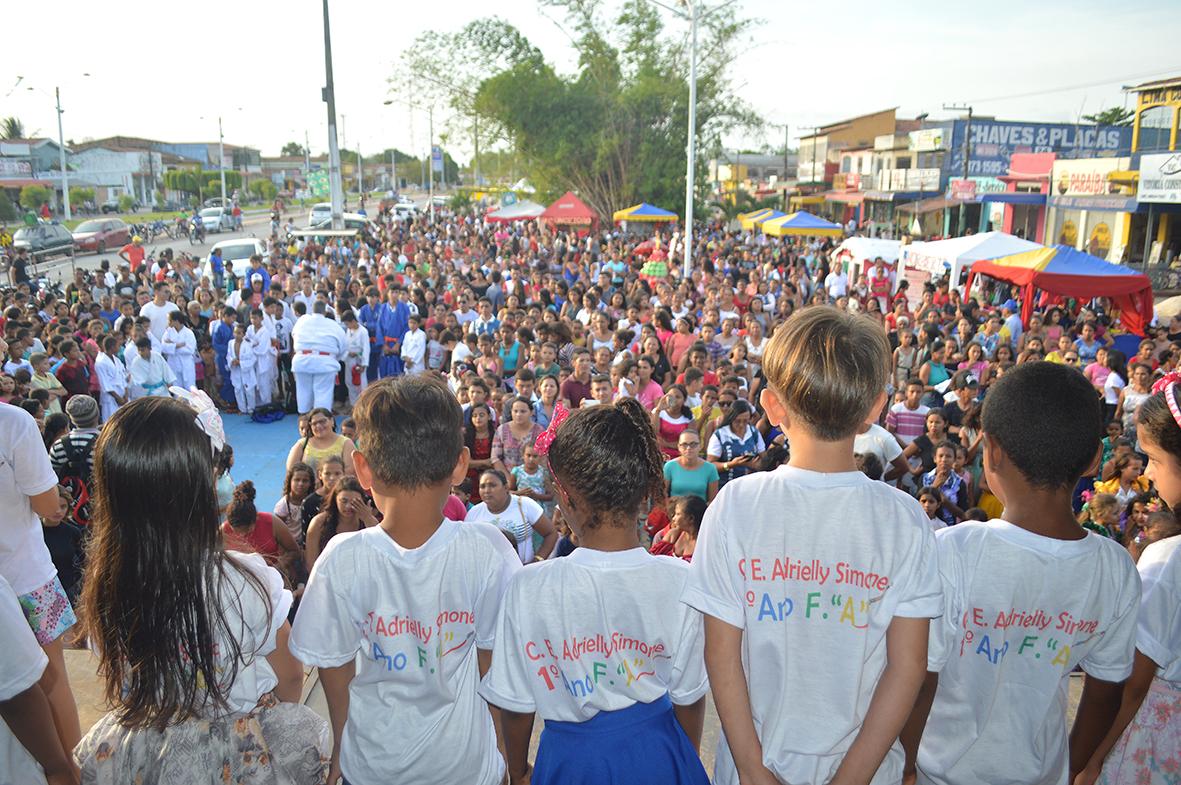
x: 196, y: 233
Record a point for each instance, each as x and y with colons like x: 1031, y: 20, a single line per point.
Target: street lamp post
x: 691, y: 151
x: 963, y: 222
x: 329, y: 96
x: 221, y: 161
x: 61, y: 149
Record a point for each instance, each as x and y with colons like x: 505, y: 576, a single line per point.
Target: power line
x: 1076, y: 86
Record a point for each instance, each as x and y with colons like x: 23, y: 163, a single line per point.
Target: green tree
x: 12, y: 128
x: 1116, y: 115
x: 615, y: 131
x: 33, y: 196
x: 8, y: 211
x: 292, y: 148
x: 79, y: 196
x: 126, y: 203
x: 262, y: 190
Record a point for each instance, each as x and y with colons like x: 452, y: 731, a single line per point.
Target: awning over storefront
x: 929, y: 205
x: 845, y: 197
x: 1114, y: 203
x: 1014, y: 198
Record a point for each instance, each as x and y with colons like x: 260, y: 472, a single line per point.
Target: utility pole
x: 329, y: 96
x: 967, y: 156
x: 61, y: 151
x: 360, y: 168
x: 786, y: 144
x: 430, y: 193
x: 221, y: 161
x: 476, y: 145
x: 691, y: 152
x: 307, y: 156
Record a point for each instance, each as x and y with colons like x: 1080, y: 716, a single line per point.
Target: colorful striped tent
x: 644, y: 212
x: 1062, y: 271
x: 802, y: 224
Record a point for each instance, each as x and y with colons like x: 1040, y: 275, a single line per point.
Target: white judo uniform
x: 179, y: 348
x: 356, y: 361
x: 414, y: 351
x: 151, y: 376
x: 266, y: 361
x: 112, y: 381
x: 241, y: 360
x: 320, y: 345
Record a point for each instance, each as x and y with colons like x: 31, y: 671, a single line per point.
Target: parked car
x: 319, y: 212
x: 351, y: 221
x: 217, y: 219
x: 44, y: 240
x: 99, y: 234
x: 237, y: 251
x: 112, y: 206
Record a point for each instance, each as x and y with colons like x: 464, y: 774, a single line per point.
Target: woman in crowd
x: 934, y: 373
x: 547, y: 399
x: 298, y: 484
x: 249, y: 531
x: 346, y: 509
x: 670, y: 418
x: 518, y: 516
x: 478, y: 435
x: 513, y: 436
x: 323, y: 441
x: 688, y: 474
x: 191, y: 639
x: 735, y: 444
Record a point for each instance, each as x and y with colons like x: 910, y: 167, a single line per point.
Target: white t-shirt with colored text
x: 412, y: 618
x: 1158, y: 633
x: 1022, y: 610
x: 813, y: 568
x: 596, y: 631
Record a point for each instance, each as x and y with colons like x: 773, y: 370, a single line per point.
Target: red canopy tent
x: 572, y: 212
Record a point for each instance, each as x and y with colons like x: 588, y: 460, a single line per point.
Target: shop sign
x: 11, y: 168
x: 926, y: 140
x: 988, y: 185
x: 1117, y: 204
x: 846, y: 182
x: 1085, y: 178
x: 994, y: 142
x: 1160, y: 178
x: 963, y: 190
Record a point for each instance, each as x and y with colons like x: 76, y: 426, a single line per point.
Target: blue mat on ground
x: 260, y: 454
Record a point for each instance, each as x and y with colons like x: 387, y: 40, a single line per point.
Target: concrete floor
x: 88, y: 694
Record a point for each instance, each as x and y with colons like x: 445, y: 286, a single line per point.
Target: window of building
x: 1155, y: 126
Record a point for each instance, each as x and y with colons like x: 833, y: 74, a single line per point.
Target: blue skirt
x: 640, y: 745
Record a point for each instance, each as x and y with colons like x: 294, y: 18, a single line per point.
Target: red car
x: 99, y: 234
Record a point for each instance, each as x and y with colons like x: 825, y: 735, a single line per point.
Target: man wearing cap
x: 320, y: 345
x: 73, y: 454
x: 133, y: 253
x: 1012, y: 323
x: 256, y: 268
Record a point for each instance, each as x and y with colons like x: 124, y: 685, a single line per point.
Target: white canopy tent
x: 860, y: 252
x: 519, y: 211
x: 959, y: 253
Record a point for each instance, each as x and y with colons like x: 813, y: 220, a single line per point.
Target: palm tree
x: 12, y: 128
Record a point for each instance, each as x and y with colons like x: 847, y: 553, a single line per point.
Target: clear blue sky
x: 808, y: 63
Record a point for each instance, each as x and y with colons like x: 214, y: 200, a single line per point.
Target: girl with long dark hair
x: 191, y: 639
x: 346, y: 509
x: 631, y: 709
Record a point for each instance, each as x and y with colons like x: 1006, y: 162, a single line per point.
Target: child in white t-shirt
x: 817, y: 583
x: 415, y: 597
x: 191, y: 638
x: 1144, y: 741
x: 616, y: 675
x: 30, y: 750
x: 1028, y: 598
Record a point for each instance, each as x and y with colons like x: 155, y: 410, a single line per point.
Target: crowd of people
x: 585, y: 487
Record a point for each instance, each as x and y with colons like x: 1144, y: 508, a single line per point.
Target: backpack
x: 268, y: 412
x: 75, y: 477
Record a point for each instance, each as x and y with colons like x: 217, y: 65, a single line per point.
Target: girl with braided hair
x: 619, y: 681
